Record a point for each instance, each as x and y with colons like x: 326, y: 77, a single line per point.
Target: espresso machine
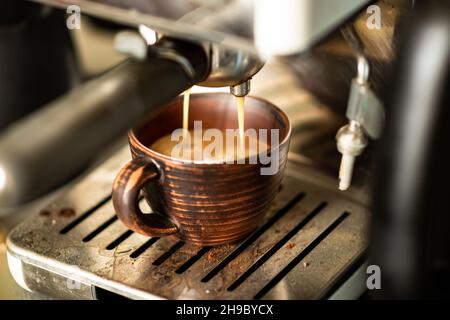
x: 359, y: 185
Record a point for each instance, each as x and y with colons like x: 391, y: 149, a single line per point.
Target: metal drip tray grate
x: 306, y: 243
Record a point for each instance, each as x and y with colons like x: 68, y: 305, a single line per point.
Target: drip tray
x: 307, y: 245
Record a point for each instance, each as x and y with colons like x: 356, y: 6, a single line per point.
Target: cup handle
x: 125, y: 196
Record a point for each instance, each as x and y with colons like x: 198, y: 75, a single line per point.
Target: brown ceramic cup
x: 201, y: 203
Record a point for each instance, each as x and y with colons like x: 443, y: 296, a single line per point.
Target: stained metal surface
x: 308, y: 239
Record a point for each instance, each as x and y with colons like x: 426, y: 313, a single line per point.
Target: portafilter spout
x: 233, y: 68
x: 45, y: 149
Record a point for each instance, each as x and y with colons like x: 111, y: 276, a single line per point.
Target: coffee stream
x: 244, y: 147
x: 240, y: 101
x: 186, y: 96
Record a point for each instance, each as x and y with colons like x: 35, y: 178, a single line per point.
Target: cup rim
x: 137, y: 143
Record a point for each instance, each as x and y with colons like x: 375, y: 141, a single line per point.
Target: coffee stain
x: 66, y: 213
x: 290, y: 245
x: 44, y: 213
x: 62, y: 212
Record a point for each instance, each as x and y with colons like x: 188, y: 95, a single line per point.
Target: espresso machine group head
x: 227, y: 66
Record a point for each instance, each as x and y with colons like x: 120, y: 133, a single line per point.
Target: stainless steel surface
x: 366, y: 108
x: 354, y: 286
x: 309, y: 238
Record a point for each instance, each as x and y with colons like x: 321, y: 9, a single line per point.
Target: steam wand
x: 364, y: 111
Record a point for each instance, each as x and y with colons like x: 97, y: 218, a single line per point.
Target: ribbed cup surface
x: 213, y: 204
